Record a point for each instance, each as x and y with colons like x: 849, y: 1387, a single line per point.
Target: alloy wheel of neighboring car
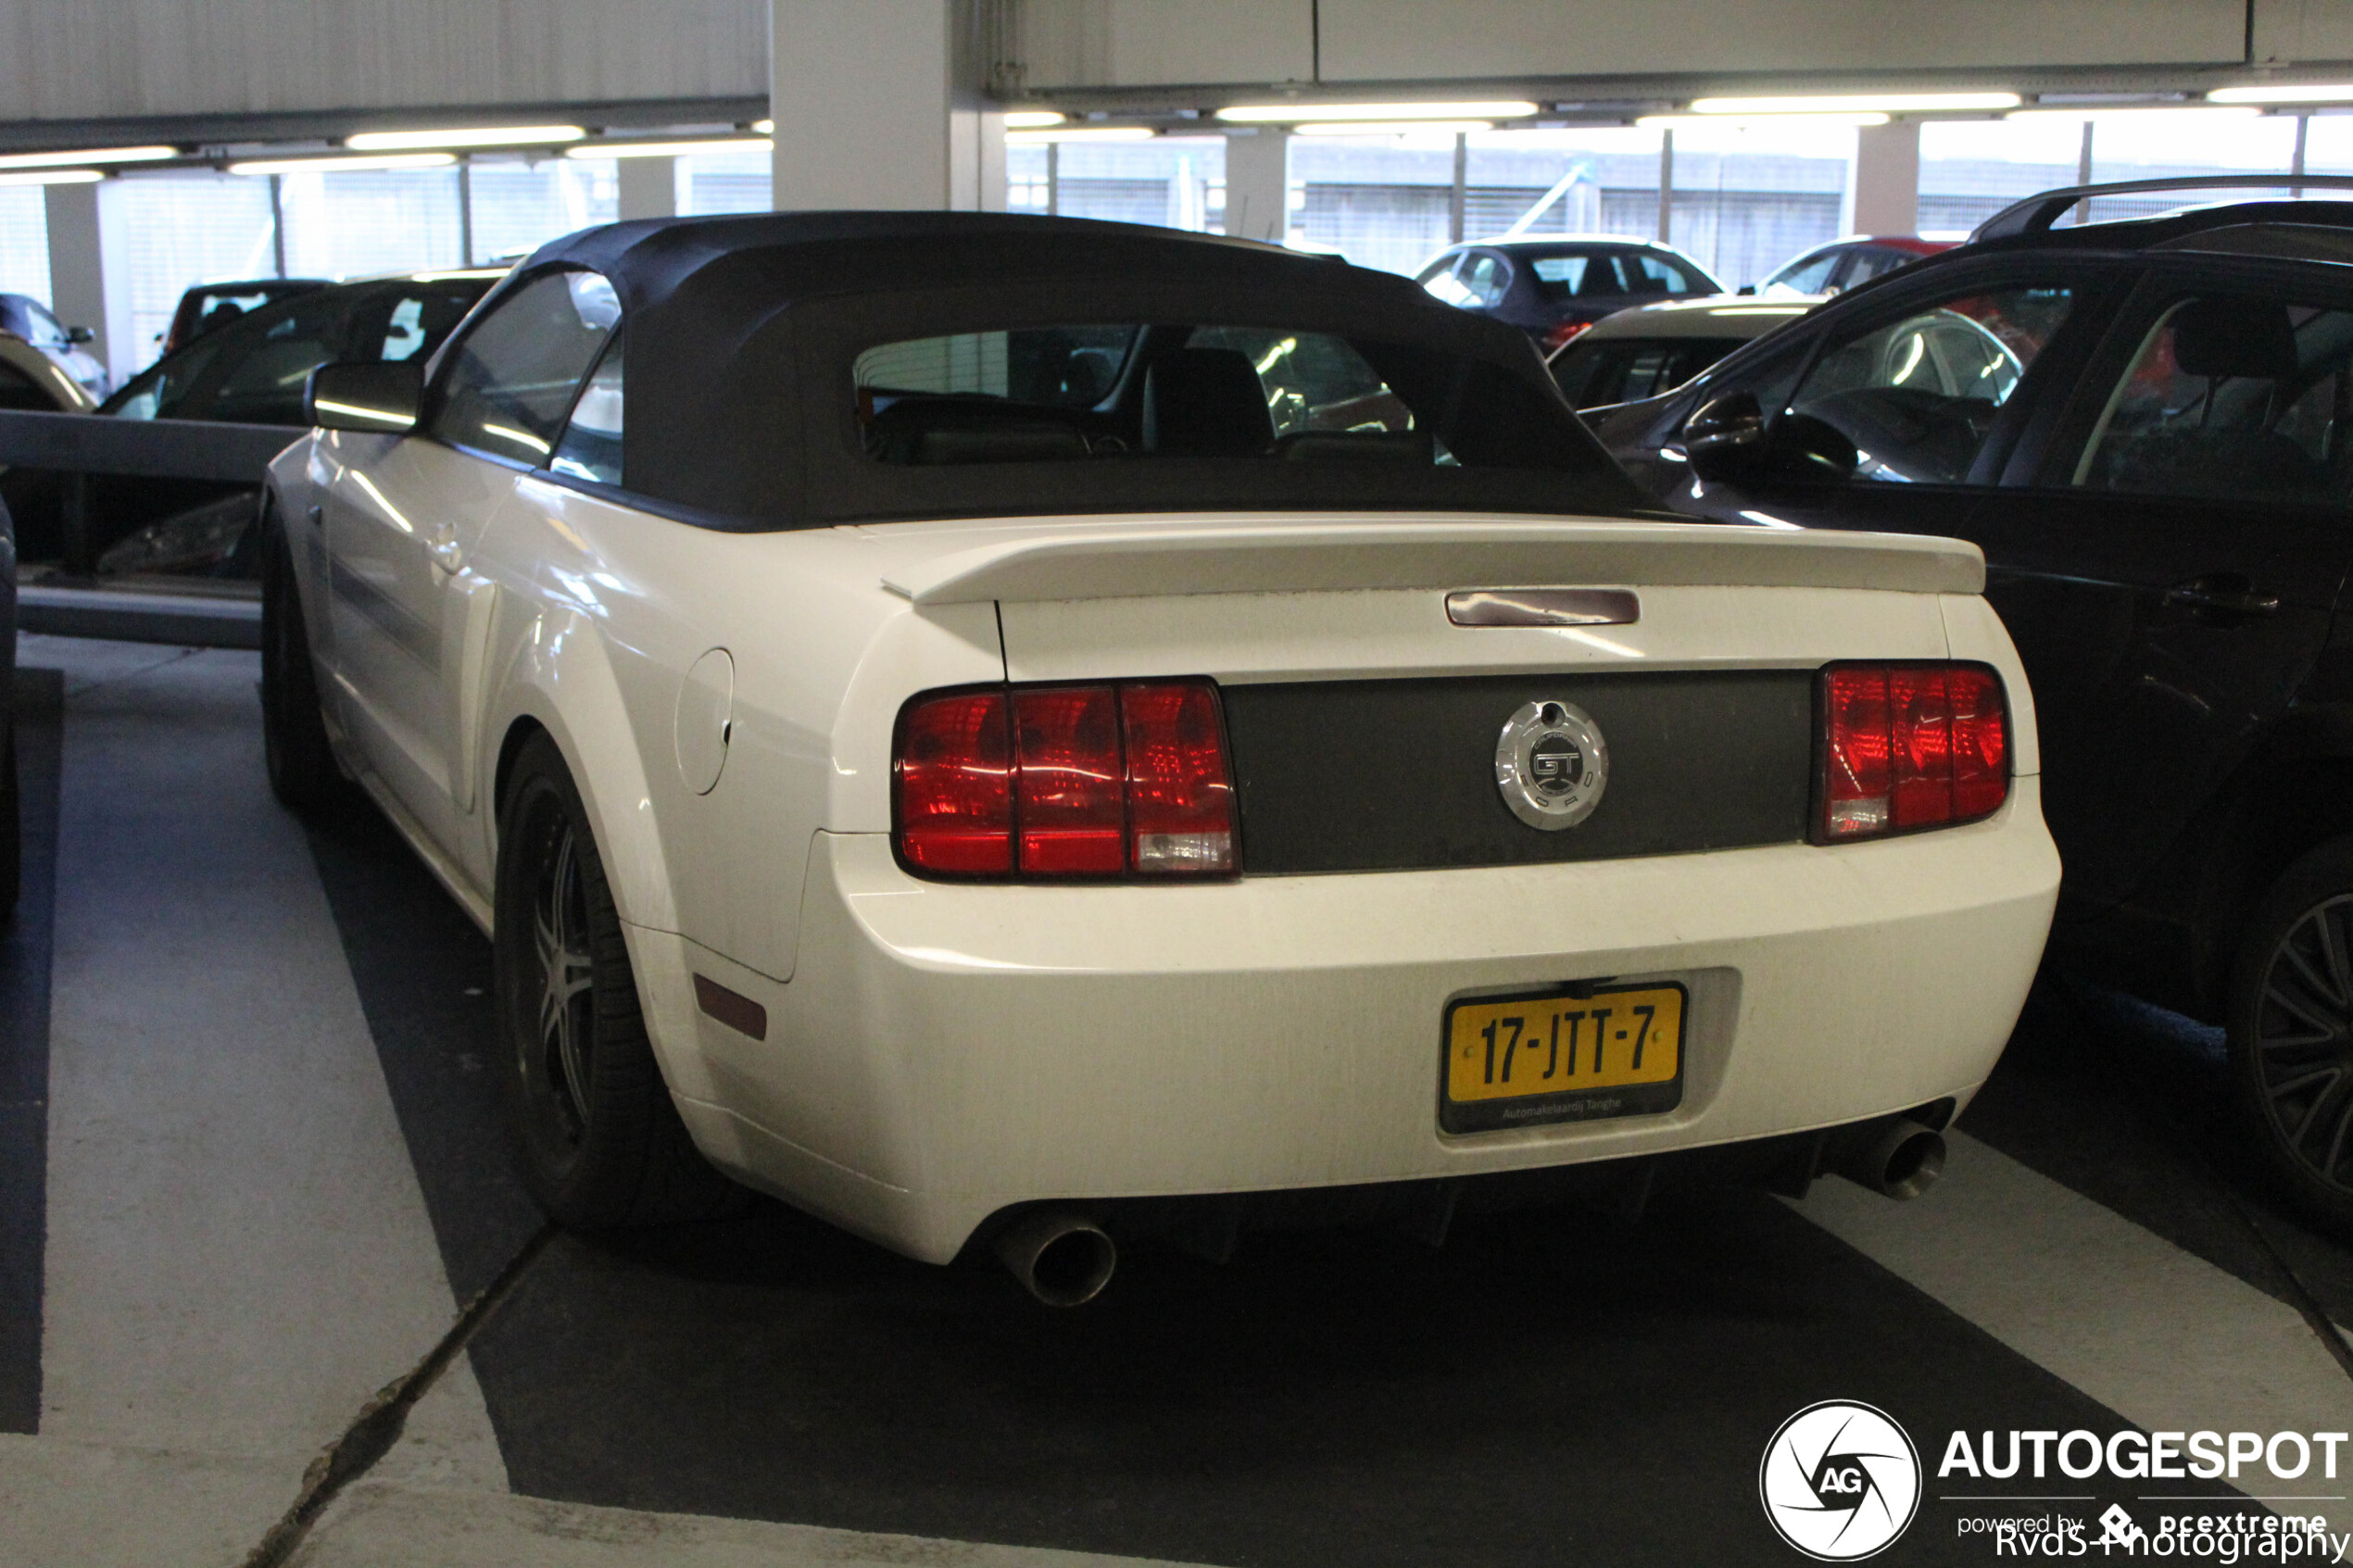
x: 600, y: 1136
x: 2292, y: 1030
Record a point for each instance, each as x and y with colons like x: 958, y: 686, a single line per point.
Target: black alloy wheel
x: 294, y: 748
x: 601, y: 1141
x: 2291, y: 1032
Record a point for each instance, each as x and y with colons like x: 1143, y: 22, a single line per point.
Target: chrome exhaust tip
x: 1898, y: 1158
x: 1062, y: 1259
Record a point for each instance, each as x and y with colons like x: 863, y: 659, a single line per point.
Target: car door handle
x: 2227, y: 595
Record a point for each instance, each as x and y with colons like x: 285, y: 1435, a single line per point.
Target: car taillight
x: 1054, y: 782
x: 1911, y: 746
x: 1562, y: 331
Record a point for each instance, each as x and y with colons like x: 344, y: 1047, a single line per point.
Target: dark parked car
x: 1843, y: 264
x: 209, y: 307
x: 1553, y: 289
x: 251, y: 371
x: 2147, y: 426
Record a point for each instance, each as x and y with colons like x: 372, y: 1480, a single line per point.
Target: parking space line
x: 2162, y: 1338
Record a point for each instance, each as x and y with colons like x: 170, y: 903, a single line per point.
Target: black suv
x: 2147, y: 426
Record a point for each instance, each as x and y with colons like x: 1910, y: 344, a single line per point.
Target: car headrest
x: 2231, y: 336
x: 1206, y: 403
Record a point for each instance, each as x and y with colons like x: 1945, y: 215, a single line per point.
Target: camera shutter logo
x: 1551, y: 765
x: 1840, y: 1481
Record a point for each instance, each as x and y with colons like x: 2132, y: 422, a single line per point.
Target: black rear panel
x: 1398, y: 775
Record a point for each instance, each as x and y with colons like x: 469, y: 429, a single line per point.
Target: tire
x: 11, y: 821
x: 601, y: 1143
x: 294, y: 731
x: 2291, y: 1032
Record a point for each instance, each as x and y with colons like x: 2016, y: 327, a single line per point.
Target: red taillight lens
x: 953, y: 785
x: 1066, y: 782
x: 1181, y: 802
x: 1910, y: 746
x: 1562, y: 331
x: 1072, y: 823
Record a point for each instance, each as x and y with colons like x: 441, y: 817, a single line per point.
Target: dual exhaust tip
x: 1063, y: 1258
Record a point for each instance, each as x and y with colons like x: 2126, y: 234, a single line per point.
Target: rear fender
x: 558, y: 675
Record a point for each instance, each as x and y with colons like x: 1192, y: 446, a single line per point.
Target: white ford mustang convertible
x: 1022, y: 733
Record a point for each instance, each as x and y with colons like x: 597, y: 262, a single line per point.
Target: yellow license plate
x: 1572, y: 1053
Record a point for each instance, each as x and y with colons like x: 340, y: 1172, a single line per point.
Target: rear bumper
x: 946, y: 1051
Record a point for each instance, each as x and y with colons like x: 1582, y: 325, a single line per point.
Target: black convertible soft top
x: 740, y: 333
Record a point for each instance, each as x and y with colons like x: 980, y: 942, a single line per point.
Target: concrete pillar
x: 1886, y: 194
x: 77, y: 260
x: 78, y: 278
x: 1258, y: 185
x: 647, y: 187
x: 878, y: 105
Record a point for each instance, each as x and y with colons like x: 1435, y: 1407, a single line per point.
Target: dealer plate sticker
x: 1571, y: 1053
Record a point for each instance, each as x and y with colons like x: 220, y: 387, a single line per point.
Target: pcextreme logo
x: 1840, y: 1481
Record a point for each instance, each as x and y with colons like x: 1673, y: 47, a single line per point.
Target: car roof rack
x: 2038, y: 214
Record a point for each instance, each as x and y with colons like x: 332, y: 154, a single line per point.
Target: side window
x: 2231, y: 398
x: 1918, y: 396
x: 163, y: 389
x: 1439, y: 279
x: 46, y: 331
x: 591, y: 446
x: 1812, y: 277
x: 266, y: 370
x: 1485, y: 276
x: 511, y: 383
x: 1655, y: 274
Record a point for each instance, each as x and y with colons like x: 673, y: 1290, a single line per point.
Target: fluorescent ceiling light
x: 1085, y: 133
x: 1858, y: 102
x: 1031, y: 120
x: 669, y: 150
x: 2335, y: 93
x: 341, y: 165
x: 103, y: 155
x: 763, y: 127
x: 2139, y: 112
x: 52, y: 177
x: 1718, y: 121
x: 477, y: 136
x: 1324, y: 113
x: 1393, y: 128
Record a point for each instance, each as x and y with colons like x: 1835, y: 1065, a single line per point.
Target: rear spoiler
x: 1136, y: 558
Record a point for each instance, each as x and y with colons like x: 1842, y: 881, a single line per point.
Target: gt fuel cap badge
x: 1551, y: 765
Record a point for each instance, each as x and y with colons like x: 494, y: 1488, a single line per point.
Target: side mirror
x: 374, y: 397
x: 1726, y: 438
x: 80, y: 334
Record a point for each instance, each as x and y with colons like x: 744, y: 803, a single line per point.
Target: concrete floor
x: 250, y: 1170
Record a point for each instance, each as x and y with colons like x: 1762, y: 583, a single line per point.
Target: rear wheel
x: 2291, y: 1032
x: 601, y: 1141
x: 294, y: 731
